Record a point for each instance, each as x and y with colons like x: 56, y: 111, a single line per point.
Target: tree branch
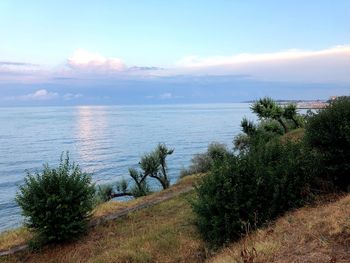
x: 113, y: 195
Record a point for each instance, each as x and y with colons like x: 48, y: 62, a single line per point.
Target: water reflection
x: 91, y: 127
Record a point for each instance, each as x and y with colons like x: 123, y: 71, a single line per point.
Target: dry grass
x: 114, y: 206
x: 311, y: 234
x: 166, y: 233
x: 163, y: 233
x: 294, y: 135
x: 14, y: 237
x: 21, y: 235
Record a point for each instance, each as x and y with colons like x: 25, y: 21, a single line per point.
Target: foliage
x: 290, y: 113
x: 241, y: 142
x: 201, y: 163
x: 248, y: 127
x: 265, y: 130
x: 252, y: 188
x: 287, y: 116
x: 140, y: 187
x: 274, y: 119
x: 328, y: 132
x: 103, y: 193
x: 153, y: 165
x: 267, y: 108
x: 57, y: 202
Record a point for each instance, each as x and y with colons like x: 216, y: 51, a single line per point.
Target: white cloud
x: 331, y: 65
x: 71, y: 96
x: 239, y: 59
x: 327, y: 65
x: 85, y: 60
x: 41, y: 94
x: 44, y: 95
x: 166, y: 96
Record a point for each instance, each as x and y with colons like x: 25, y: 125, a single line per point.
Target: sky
x: 151, y: 52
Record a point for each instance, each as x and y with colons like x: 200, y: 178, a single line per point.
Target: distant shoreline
x: 302, y: 104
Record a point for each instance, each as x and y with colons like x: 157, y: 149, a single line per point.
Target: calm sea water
x: 105, y: 140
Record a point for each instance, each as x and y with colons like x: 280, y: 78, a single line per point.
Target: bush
x: 251, y: 188
x: 103, y: 193
x: 201, y: 163
x: 57, y: 202
x: 329, y: 133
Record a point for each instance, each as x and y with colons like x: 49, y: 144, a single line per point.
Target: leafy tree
x: 248, y: 127
x: 57, y: 202
x: 265, y: 129
x: 162, y: 151
x: 267, y: 108
x: 290, y: 113
x: 153, y: 165
x: 139, y: 187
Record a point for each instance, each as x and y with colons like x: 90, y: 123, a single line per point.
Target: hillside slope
x: 310, y: 234
x: 166, y: 232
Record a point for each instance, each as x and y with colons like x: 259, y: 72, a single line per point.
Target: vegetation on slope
x: 270, y: 174
x: 167, y: 233
x: 57, y: 202
x: 163, y: 233
x: 318, y: 234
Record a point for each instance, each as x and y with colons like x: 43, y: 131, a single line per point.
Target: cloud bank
x: 246, y: 58
x: 42, y: 95
x: 91, y: 78
x: 328, y: 65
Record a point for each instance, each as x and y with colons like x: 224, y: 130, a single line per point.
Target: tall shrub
x: 329, y: 133
x: 57, y: 202
x: 252, y: 188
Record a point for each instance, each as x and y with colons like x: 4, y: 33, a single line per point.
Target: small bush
x: 57, y: 202
x: 252, y: 188
x: 328, y: 132
x: 103, y: 193
x: 201, y: 163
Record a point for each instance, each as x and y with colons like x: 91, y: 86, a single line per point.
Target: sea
x: 105, y: 140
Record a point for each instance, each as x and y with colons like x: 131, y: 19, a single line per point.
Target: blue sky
x: 102, y: 47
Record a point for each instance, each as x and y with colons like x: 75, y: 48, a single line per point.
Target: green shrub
x: 57, y: 202
x: 251, y: 188
x: 103, y: 193
x: 201, y: 163
x: 328, y: 132
x: 153, y: 165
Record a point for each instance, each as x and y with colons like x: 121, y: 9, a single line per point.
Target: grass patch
x: 14, y: 237
x: 294, y: 135
x: 21, y: 235
x: 163, y: 233
x: 113, y: 206
x: 310, y: 234
x: 167, y: 233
